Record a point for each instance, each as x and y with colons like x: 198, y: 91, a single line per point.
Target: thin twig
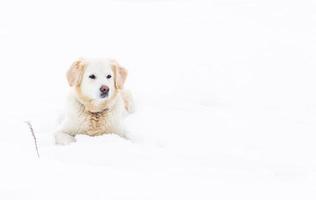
x: 34, y: 137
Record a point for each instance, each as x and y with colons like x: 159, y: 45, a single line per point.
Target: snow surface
x: 225, y: 96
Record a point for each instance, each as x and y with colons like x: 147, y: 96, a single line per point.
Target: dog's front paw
x: 64, y: 138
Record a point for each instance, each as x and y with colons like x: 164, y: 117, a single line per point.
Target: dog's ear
x: 75, y: 73
x: 120, y: 74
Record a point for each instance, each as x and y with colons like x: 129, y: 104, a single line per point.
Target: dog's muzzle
x: 104, y: 90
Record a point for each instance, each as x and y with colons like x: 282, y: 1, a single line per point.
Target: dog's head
x: 96, y: 80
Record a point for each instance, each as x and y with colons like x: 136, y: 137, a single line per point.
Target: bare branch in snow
x: 34, y: 137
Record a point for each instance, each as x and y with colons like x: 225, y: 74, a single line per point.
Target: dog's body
x: 97, y: 102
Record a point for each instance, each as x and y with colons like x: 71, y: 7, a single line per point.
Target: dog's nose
x: 104, y: 89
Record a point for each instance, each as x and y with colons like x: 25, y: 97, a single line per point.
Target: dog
x: 97, y: 102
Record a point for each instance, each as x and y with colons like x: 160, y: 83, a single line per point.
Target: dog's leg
x: 122, y: 133
x: 63, y: 138
x: 128, y: 101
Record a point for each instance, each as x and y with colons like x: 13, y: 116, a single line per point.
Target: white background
x: 225, y: 96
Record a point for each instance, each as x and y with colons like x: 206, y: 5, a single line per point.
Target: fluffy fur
x: 88, y: 112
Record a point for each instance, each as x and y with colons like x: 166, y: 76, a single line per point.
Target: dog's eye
x: 92, y: 76
x: 108, y: 76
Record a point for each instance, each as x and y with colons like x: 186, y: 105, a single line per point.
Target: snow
x: 224, y: 90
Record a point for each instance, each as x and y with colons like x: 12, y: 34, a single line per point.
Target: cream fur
x: 86, y: 114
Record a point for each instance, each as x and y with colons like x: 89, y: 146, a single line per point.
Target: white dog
x: 97, y: 101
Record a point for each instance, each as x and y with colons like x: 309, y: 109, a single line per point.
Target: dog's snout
x: 104, y: 89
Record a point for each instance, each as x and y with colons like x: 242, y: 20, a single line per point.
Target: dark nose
x: 104, y: 89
